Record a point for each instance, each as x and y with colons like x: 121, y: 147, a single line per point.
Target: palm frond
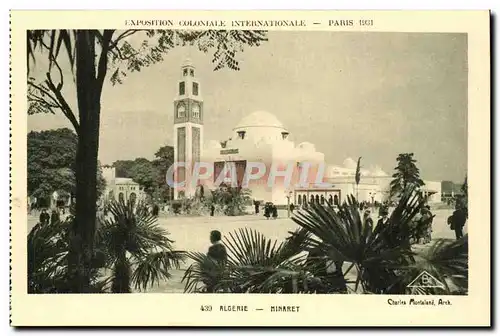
x: 154, y: 267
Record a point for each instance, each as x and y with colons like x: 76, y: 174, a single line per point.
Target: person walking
x: 368, y: 219
x: 54, y: 217
x: 384, y: 217
x: 427, y: 219
x: 156, y: 210
x: 275, y: 212
x: 44, y: 217
x: 212, y: 210
x: 257, y: 206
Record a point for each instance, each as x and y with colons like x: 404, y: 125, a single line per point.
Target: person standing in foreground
x: 217, y: 256
x: 458, y: 220
x: 217, y: 251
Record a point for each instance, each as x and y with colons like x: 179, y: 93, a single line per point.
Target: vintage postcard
x: 250, y: 168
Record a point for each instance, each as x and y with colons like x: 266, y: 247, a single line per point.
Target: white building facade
x: 120, y: 188
x: 261, y: 138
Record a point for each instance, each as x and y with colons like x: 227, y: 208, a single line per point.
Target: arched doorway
x: 121, y: 197
x: 133, y: 198
x: 330, y: 199
x: 336, y: 200
x: 299, y: 200
x: 312, y: 199
x: 322, y: 200
x: 317, y: 199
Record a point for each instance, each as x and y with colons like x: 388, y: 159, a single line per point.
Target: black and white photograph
x: 389, y: 131
x: 211, y: 157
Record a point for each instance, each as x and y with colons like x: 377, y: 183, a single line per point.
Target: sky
x: 373, y: 95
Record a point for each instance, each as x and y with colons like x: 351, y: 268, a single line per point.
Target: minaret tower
x: 188, y: 127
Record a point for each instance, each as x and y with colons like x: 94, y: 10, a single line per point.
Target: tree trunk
x: 88, y: 95
x: 121, y: 276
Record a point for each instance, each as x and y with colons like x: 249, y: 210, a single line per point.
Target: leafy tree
x: 124, y: 168
x: 145, y: 173
x: 51, y: 158
x: 164, y: 160
x: 407, y: 175
x: 91, y: 54
x: 231, y: 200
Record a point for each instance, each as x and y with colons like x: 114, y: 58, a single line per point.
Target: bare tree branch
x: 65, y: 108
x: 53, y: 61
x: 123, y: 35
x: 103, y: 60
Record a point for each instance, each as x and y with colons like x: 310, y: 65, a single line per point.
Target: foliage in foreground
x: 368, y: 259
x: 131, y: 249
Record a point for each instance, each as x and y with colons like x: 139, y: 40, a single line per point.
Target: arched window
x: 181, y: 111
x: 312, y: 199
x: 121, y: 197
x: 317, y: 199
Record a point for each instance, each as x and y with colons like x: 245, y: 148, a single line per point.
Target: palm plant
x: 255, y: 265
x: 48, y: 272
x: 138, y: 251
x: 447, y: 260
x: 381, y: 257
x: 377, y: 259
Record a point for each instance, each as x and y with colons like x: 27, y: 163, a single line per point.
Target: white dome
x: 187, y: 63
x: 259, y: 119
x: 379, y: 172
x: 350, y: 163
x: 307, y: 146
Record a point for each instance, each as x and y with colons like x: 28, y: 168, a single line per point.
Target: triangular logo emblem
x: 425, y: 280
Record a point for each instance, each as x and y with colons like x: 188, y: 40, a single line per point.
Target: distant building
x: 261, y: 137
x: 450, y: 190
x: 120, y: 188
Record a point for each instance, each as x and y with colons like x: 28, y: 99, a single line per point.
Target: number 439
x: 206, y: 308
